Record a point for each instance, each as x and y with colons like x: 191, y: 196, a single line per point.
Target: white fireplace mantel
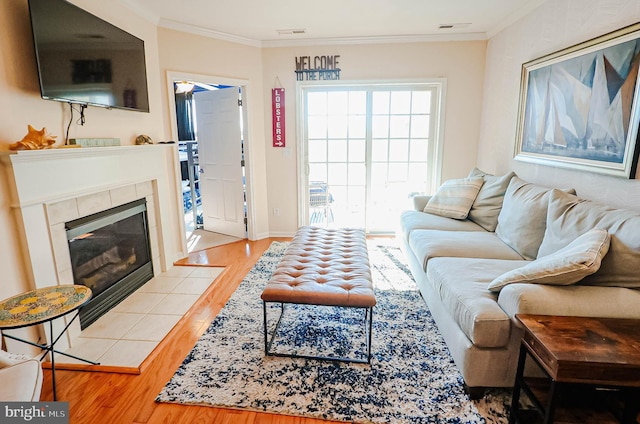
x: 51, y: 187
x: 54, y: 174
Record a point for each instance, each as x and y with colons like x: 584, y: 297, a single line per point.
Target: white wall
x: 556, y: 24
x: 461, y: 63
x: 274, y: 170
x: 21, y: 104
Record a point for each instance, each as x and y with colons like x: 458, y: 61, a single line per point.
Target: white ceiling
x: 257, y: 21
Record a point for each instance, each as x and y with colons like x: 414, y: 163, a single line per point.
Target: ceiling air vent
x: 456, y: 26
x: 291, y: 31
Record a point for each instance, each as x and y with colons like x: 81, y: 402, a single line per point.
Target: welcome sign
x: 317, y: 68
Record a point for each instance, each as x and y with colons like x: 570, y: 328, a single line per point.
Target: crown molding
x: 424, y: 38
x: 205, y: 32
x: 135, y: 7
x: 291, y: 42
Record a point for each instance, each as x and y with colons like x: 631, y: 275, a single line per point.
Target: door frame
x: 172, y: 76
x: 303, y: 155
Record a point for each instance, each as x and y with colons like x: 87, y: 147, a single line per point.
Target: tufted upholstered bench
x: 325, y: 267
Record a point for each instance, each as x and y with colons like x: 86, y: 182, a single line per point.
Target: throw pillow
x: 454, y: 198
x: 486, y: 207
x: 568, y: 265
x: 523, y: 217
x: 570, y: 216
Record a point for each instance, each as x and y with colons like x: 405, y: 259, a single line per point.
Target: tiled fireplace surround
x: 56, y: 186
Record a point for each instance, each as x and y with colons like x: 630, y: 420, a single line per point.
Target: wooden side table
x: 579, y: 352
x: 42, y: 305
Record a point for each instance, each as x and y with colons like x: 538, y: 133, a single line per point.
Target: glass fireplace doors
x: 110, y: 254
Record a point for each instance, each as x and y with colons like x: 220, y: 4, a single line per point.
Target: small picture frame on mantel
x: 579, y: 106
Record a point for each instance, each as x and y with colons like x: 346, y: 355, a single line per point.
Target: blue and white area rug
x: 411, y: 378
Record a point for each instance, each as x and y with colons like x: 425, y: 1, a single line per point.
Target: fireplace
x: 110, y: 254
x: 79, y: 183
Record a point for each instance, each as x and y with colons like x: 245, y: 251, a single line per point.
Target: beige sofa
x: 522, y: 248
x: 21, y: 378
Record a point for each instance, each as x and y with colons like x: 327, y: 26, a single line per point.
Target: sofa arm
x: 420, y: 201
x: 575, y: 300
x: 21, y: 382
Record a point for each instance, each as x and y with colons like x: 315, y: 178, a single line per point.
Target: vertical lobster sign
x: 277, y: 105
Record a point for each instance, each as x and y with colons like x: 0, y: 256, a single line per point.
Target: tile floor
x: 128, y: 333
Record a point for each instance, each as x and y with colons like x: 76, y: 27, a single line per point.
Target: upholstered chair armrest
x: 420, y: 201
x: 21, y: 382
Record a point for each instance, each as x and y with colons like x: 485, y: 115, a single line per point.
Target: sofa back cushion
x: 486, y: 207
x: 570, y: 216
x: 523, y: 218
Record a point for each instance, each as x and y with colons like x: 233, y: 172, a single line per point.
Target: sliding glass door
x: 366, y: 149
x: 336, y: 140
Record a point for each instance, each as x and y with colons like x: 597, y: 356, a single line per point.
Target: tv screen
x: 86, y: 60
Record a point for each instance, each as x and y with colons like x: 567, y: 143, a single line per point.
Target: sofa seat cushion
x: 427, y: 244
x: 461, y: 285
x: 570, y: 216
x: 418, y: 220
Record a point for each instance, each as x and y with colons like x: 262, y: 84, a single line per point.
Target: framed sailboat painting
x: 579, y: 106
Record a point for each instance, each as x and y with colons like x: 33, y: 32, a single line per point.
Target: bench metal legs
x: 268, y: 341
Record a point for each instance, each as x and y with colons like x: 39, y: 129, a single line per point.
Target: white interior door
x: 220, y: 153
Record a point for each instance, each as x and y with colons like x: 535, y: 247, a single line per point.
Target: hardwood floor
x: 100, y: 397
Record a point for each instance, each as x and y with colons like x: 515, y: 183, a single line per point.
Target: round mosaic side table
x: 40, y: 306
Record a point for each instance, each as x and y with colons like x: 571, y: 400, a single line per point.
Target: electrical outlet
x: 276, y: 212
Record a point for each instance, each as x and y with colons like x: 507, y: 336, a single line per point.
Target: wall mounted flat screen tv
x: 85, y: 60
